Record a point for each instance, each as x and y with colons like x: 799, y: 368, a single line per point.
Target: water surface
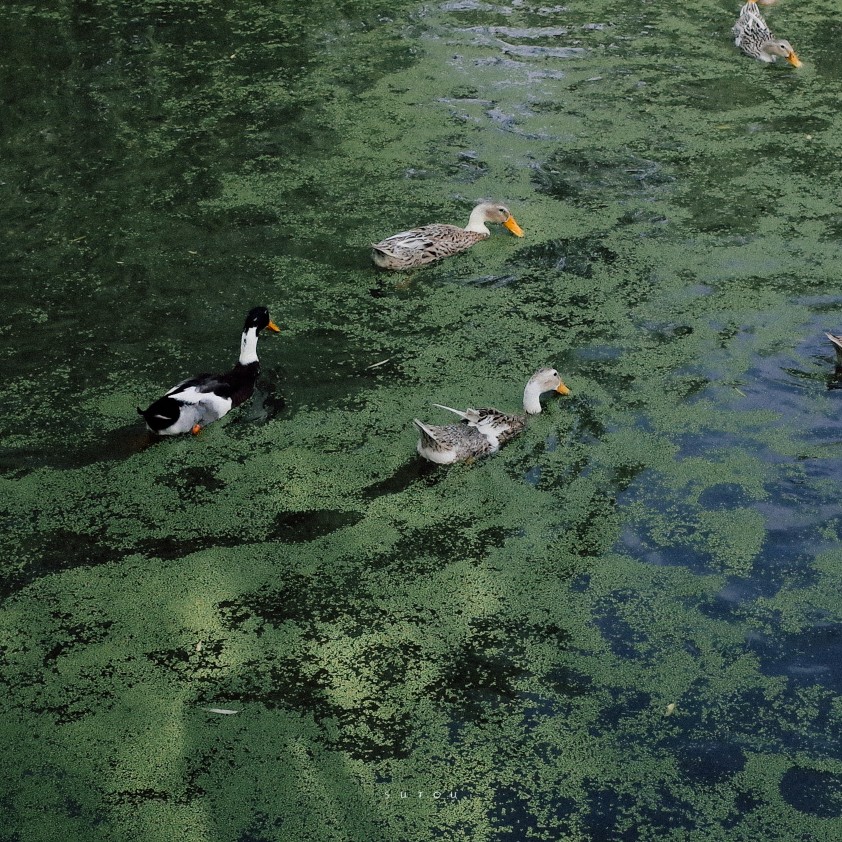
x: 625, y: 625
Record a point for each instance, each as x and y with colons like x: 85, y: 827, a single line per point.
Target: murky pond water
x: 626, y: 625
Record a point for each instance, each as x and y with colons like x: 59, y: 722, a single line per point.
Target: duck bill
x: 562, y: 389
x: 513, y: 227
x: 274, y: 327
x: 793, y: 59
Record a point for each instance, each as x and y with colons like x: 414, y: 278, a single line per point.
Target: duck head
x: 258, y: 317
x: 256, y: 320
x: 781, y: 47
x: 492, y: 212
x: 544, y: 380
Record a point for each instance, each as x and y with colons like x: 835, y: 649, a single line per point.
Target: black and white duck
x: 195, y: 403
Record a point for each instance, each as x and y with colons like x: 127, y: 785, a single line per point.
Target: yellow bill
x: 514, y: 227
x: 273, y: 326
x: 793, y: 59
x: 562, y: 389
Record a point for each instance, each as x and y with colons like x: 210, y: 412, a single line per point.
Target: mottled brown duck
x: 753, y: 36
x: 484, y: 431
x: 428, y: 243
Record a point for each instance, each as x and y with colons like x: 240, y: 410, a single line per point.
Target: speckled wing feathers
x: 448, y: 443
x: 480, y: 432
x: 492, y: 423
x: 751, y: 31
x: 504, y: 426
x: 423, y: 245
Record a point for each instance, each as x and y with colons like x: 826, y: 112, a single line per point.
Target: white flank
x: 197, y: 407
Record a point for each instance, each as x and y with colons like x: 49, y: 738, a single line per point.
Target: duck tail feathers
x: 462, y: 415
x: 427, y: 434
x: 469, y: 416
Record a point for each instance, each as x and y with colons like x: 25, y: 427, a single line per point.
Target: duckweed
x: 484, y: 652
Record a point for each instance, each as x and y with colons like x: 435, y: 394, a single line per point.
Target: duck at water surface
x: 483, y: 431
x: 195, y: 403
x: 433, y: 242
x: 836, y: 339
x: 754, y: 38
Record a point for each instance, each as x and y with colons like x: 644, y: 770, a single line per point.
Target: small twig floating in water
x: 225, y: 711
x: 376, y: 365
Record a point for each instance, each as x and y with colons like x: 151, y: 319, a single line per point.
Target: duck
x: 753, y: 36
x: 429, y: 243
x: 483, y: 431
x: 836, y: 339
x: 196, y: 402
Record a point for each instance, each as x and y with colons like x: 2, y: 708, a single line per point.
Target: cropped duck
x: 433, y: 242
x: 195, y: 403
x: 836, y: 339
x: 754, y: 38
x: 484, y: 431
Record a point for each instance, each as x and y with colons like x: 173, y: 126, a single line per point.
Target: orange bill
x: 793, y: 59
x: 513, y: 227
x: 196, y: 429
x: 273, y: 326
x: 562, y: 389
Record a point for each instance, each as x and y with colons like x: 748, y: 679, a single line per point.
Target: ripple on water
x: 810, y: 657
x: 534, y: 52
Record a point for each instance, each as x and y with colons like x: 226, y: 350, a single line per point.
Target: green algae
x: 484, y: 652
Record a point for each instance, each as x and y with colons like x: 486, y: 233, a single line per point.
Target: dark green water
x: 501, y: 642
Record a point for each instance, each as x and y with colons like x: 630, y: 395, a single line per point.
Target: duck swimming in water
x: 484, y: 431
x: 754, y: 38
x: 195, y: 403
x: 433, y: 242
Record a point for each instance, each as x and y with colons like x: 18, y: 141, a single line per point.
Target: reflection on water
x: 513, y: 629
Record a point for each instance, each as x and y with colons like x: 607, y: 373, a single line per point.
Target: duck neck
x: 248, y: 347
x: 476, y: 222
x: 532, y: 398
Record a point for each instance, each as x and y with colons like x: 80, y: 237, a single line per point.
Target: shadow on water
x: 417, y: 469
x: 122, y: 443
x: 68, y: 550
x: 113, y: 445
